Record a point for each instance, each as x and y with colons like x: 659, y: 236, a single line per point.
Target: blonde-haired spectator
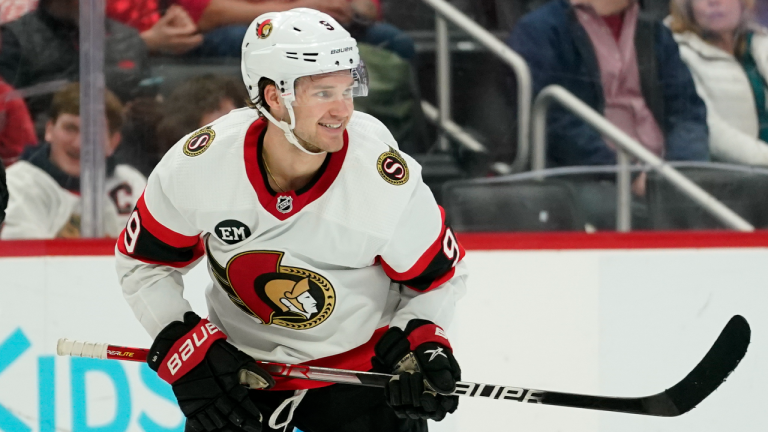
x: 727, y: 53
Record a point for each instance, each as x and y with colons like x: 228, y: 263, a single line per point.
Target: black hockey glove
x: 205, y: 373
x: 426, y: 370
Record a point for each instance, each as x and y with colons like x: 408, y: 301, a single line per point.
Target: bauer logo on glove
x: 186, y: 352
x: 205, y: 372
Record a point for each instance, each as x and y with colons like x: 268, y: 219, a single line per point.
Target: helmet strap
x: 288, y: 129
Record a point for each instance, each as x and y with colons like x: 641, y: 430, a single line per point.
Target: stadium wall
x: 609, y: 314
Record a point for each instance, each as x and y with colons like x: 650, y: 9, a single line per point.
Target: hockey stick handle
x: 103, y: 351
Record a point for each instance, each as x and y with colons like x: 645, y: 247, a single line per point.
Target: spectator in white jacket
x: 727, y: 53
x: 44, y: 186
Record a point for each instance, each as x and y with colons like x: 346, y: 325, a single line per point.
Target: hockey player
x: 323, y: 244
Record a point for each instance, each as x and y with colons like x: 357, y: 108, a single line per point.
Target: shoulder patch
x: 392, y: 167
x: 199, y: 142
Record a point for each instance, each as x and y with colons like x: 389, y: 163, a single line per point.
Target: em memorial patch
x: 199, y: 142
x: 392, y: 167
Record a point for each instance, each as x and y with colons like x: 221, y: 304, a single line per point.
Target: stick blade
x: 721, y: 360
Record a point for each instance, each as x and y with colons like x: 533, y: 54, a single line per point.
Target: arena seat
x: 528, y: 205
x: 742, y: 190
x: 436, y: 170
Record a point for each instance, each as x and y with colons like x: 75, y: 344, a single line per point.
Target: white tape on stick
x: 66, y: 347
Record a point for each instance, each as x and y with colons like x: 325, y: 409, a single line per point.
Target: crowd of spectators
x: 689, y: 88
x: 689, y: 85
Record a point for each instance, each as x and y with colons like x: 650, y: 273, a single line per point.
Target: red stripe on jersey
x: 298, y: 201
x: 163, y: 233
x: 144, y: 238
x: 441, y: 253
x: 357, y: 359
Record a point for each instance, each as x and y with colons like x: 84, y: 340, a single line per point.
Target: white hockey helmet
x: 285, y: 46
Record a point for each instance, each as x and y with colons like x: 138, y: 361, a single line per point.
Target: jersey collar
x: 283, y: 205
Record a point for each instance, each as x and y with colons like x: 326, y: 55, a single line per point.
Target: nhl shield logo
x: 284, y: 203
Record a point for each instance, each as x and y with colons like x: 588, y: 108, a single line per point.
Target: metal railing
x: 626, y: 146
x: 454, y: 130
x: 446, y: 12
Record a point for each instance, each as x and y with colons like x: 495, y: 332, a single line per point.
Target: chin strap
x: 288, y: 130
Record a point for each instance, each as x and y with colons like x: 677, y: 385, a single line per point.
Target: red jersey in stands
x: 16, y: 128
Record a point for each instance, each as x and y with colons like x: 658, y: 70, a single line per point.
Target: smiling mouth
x: 330, y: 126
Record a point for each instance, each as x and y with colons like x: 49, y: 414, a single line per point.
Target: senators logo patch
x: 392, y: 167
x: 264, y: 29
x: 289, y: 297
x: 199, y: 142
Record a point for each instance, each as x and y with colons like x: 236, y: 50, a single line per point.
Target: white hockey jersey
x: 311, y: 276
x: 40, y: 207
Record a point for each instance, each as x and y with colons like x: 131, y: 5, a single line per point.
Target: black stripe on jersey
x: 440, y: 268
x: 151, y: 248
x: 435, y: 266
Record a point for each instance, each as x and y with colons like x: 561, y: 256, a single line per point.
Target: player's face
x: 64, y: 136
x: 323, y: 108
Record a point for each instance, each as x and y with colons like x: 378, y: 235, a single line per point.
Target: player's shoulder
x: 214, y: 140
x: 373, y: 148
x: 377, y: 181
x: 369, y: 131
x: 214, y: 148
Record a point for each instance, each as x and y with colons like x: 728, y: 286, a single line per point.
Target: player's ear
x: 272, y: 98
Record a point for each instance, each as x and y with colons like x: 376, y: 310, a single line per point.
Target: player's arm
x: 155, y: 249
x: 425, y: 257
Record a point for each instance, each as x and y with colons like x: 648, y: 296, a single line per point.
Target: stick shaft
x: 726, y: 353
x: 103, y: 351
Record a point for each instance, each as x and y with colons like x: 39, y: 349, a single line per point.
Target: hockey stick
x: 726, y: 353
